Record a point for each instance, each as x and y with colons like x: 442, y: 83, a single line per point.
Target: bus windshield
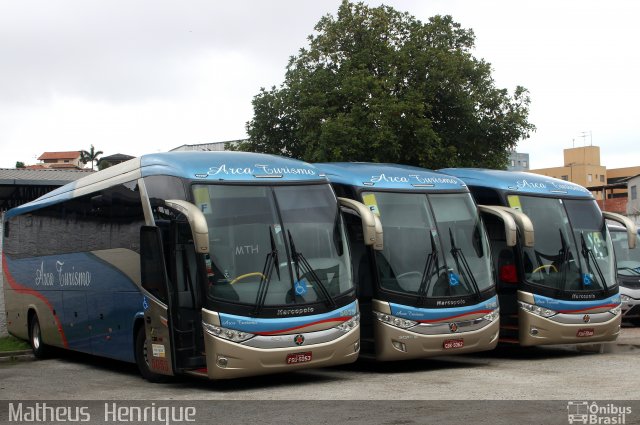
x: 274, y: 245
x: 435, y: 245
x: 627, y: 260
x: 572, y: 251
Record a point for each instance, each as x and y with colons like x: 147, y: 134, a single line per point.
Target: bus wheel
x: 142, y: 359
x: 40, y: 350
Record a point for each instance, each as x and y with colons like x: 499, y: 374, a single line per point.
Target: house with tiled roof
x: 68, y: 160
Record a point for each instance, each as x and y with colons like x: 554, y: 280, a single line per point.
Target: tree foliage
x: 20, y: 164
x: 90, y: 156
x: 378, y: 85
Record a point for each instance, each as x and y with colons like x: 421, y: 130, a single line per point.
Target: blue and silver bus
x: 429, y: 291
x: 218, y: 265
x: 561, y: 288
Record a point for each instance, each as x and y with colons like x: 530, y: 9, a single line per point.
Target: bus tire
x: 142, y: 359
x: 40, y: 349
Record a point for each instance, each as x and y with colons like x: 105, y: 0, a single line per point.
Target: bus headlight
x: 625, y: 298
x: 228, y: 334
x: 349, y: 324
x: 492, y: 316
x: 616, y: 310
x: 398, y: 322
x: 537, y: 310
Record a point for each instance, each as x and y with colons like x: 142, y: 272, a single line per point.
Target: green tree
x: 378, y: 85
x: 90, y: 156
x: 103, y: 165
x: 20, y: 164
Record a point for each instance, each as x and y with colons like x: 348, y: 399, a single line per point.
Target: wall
x: 616, y: 205
x: 633, y: 206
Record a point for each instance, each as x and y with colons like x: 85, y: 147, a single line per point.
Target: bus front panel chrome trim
x: 392, y: 343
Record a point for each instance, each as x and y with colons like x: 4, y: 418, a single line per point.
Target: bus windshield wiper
x: 432, y: 259
x: 270, y: 262
x: 465, y: 270
x: 300, y: 260
x: 589, y: 255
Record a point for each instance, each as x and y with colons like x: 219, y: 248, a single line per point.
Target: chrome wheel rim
x: 144, y: 353
x: 35, y: 336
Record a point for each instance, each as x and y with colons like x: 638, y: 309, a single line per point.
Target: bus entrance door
x: 154, y: 348
x: 186, y: 305
x: 173, y: 341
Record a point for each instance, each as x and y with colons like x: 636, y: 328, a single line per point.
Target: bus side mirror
x: 371, y: 230
x: 631, y: 227
x: 510, y: 229
x: 379, y: 244
x: 197, y: 221
x: 524, y: 225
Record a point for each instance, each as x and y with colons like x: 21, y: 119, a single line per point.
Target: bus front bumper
x: 392, y: 343
x: 227, y: 360
x: 537, y: 330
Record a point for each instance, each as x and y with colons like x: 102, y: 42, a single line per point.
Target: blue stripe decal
x: 254, y: 325
x: 564, y: 305
x: 432, y: 314
x: 95, y: 302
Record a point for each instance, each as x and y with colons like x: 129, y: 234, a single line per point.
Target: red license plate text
x: 585, y: 332
x: 453, y: 343
x: 295, y: 358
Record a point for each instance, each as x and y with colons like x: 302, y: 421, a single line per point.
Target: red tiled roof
x: 35, y: 167
x: 59, y: 155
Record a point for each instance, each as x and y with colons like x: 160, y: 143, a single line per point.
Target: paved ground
x: 503, y: 387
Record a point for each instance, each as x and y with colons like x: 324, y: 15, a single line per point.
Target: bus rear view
x: 429, y: 291
x: 560, y: 288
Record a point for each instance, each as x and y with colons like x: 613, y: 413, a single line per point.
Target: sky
x: 151, y: 75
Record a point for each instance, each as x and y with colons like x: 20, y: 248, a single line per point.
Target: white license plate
x: 295, y: 358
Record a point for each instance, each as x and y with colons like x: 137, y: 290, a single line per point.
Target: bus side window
x: 152, y: 267
x: 163, y: 188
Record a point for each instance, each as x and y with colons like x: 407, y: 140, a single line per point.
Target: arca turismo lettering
x: 261, y: 168
x: 526, y: 184
x: 65, y: 277
x: 412, y: 178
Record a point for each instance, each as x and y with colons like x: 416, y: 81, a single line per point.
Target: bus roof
x: 519, y: 182
x: 220, y: 166
x: 388, y: 176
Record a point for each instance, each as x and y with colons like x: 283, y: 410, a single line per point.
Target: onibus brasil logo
x: 583, y: 412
